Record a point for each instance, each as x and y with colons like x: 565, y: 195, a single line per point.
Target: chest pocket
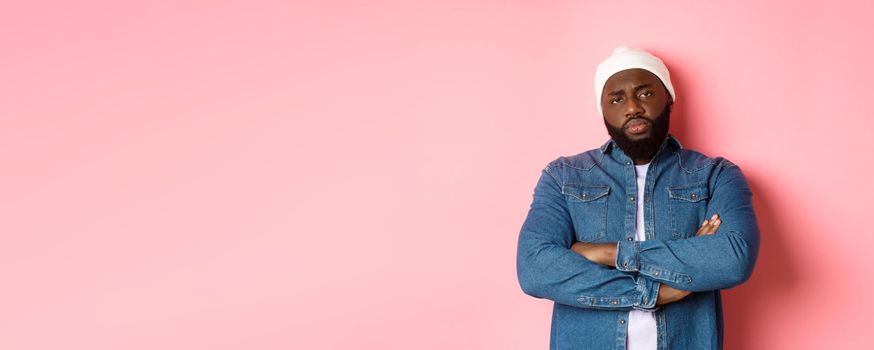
x: 588, y: 207
x: 688, y: 205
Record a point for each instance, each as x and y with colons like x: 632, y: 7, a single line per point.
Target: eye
x: 646, y: 94
x: 614, y: 100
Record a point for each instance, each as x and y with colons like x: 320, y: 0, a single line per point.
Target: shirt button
x: 627, y: 162
x: 629, y: 238
x: 621, y: 321
x: 656, y: 273
x: 631, y: 198
x: 614, y: 302
x: 625, y: 264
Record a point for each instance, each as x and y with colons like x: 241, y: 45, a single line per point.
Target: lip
x: 637, y: 126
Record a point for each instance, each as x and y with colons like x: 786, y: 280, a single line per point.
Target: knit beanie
x: 623, y: 58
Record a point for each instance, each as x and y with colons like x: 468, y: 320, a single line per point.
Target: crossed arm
x: 605, y: 254
x: 551, y: 265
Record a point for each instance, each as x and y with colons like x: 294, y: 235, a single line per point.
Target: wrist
x: 610, y: 250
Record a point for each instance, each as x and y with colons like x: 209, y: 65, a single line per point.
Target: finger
x: 706, y: 229
x: 703, y: 226
x: 714, y: 225
x: 710, y: 228
x: 711, y: 225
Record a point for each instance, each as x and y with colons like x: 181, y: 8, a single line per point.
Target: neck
x: 642, y: 161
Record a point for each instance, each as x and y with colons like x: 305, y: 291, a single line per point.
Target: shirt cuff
x: 628, y: 256
x: 649, y: 294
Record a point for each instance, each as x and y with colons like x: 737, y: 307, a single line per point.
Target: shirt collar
x: 670, y: 140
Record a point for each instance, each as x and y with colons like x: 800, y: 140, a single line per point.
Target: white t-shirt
x: 642, y: 329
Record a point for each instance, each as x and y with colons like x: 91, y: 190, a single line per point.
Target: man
x: 634, y: 240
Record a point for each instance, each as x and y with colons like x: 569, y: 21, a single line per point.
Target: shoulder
x: 721, y: 173
x: 580, y: 161
x: 692, y: 161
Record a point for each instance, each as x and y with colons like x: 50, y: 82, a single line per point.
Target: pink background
x: 339, y: 175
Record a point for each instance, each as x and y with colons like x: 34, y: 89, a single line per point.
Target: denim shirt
x: 590, y: 197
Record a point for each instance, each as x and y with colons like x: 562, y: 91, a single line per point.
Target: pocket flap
x: 693, y: 192
x: 585, y: 193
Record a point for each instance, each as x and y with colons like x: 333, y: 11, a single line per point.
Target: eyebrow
x: 620, y: 91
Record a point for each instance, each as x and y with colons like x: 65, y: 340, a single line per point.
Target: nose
x: 633, y: 108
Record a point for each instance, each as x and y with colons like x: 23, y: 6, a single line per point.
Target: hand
x: 709, y: 227
x: 601, y: 253
x: 668, y: 294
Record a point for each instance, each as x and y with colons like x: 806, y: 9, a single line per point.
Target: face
x: 636, y: 109
x: 632, y: 99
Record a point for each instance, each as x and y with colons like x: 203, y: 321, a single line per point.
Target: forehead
x: 630, y: 77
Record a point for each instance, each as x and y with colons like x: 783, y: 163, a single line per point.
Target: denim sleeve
x: 718, y: 261
x: 547, y: 268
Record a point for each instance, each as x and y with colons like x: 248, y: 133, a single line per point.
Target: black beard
x: 643, y: 149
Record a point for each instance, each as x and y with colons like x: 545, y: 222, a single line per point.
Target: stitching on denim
x: 673, y: 201
x: 603, y: 232
x: 548, y: 170
x: 575, y: 194
x: 726, y: 164
x: 666, y: 275
x: 589, y: 159
x: 710, y: 162
x: 690, y: 186
x: 598, y: 198
x: 675, y: 231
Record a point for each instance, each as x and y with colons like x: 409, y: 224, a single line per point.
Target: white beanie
x: 623, y: 58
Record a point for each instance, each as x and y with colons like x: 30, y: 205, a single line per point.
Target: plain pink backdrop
x: 353, y: 175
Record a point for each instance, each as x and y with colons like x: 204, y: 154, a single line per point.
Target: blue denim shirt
x: 590, y: 197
